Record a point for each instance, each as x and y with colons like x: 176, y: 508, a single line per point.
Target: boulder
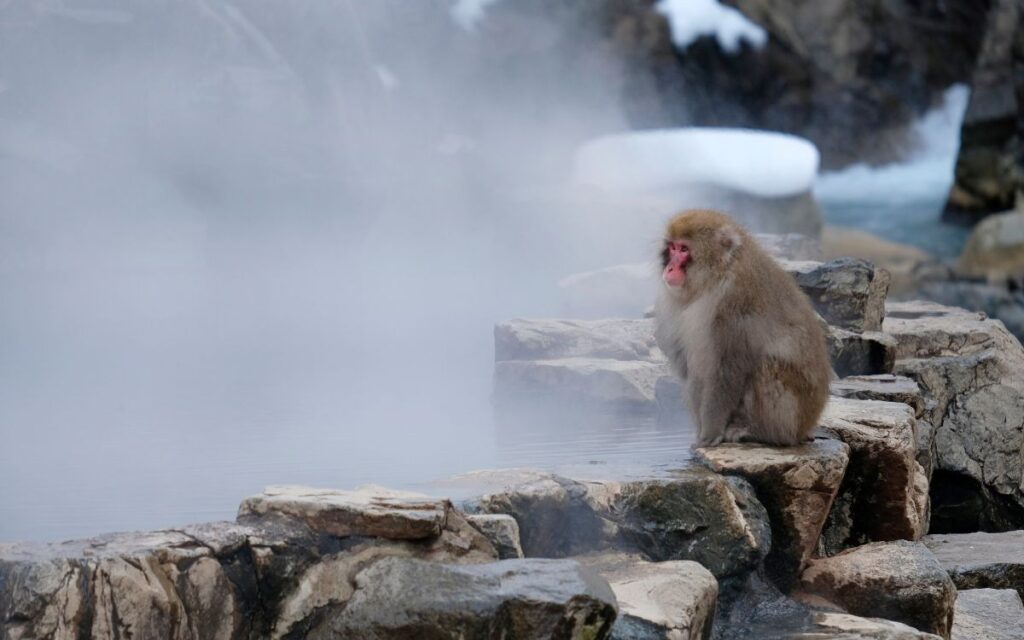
x: 502, y: 531
x: 848, y: 292
x: 693, y: 515
x: 796, y: 485
x: 981, y: 560
x: 884, y: 493
x: 855, y: 354
x: 1002, y: 299
x: 400, y: 598
x: 988, y: 614
x: 885, y: 387
x: 843, y: 626
x: 542, y: 339
x: 904, y: 263
x: 899, y: 581
x: 995, y: 248
x: 600, y: 384
x: 987, y: 177
x: 971, y: 372
x: 673, y: 599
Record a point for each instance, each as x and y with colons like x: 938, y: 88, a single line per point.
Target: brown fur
x: 743, y: 335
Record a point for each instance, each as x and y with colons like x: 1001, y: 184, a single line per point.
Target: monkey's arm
x: 723, y: 391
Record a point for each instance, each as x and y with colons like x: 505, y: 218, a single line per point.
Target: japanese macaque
x: 737, y: 328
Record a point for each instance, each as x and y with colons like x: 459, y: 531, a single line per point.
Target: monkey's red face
x: 674, y: 259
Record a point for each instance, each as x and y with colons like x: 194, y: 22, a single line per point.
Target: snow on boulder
x: 691, y: 19
x: 758, y: 163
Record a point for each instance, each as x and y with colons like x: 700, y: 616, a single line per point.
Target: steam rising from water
x: 255, y: 243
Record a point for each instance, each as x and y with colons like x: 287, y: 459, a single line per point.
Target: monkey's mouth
x: 674, y: 274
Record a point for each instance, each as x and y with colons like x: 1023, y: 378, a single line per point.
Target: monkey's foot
x: 706, y: 442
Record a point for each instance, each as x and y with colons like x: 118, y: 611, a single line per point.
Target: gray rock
x: 404, y: 598
x: 886, y: 387
x: 857, y: 354
x: 586, y: 383
x: 1001, y: 299
x: 659, y: 600
x: 899, y: 581
x: 541, y: 339
x: 796, y: 485
x: 502, y: 531
x: 694, y: 515
x: 995, y: 248
x: 988, y: 614
x: 884, y: 494
x: 843, y: 626
x: 849, y: 293
x: 971, y: 371
x: 981, y: 560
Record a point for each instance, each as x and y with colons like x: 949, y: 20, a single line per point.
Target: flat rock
x: 796, y: 485
x: 368, y: 511
x: 502, y: 531
x: 404, y: 598
x: 673, y: 599
x: 981, y: 560
x: 886, y: 387
x: 843, y: 626
x: 591, y: 383
x: 860, y: 354
x: 884, y: 494
x: 848, y: 292
x: 693, y: 515
x: 988, y: 614
x: 551, y: 339
x: 971, y: 372
x: 899, y: 581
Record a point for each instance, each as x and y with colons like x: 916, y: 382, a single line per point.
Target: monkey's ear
x: 730, y: 240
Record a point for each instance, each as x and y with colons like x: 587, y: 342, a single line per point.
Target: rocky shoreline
x: 826, y: 540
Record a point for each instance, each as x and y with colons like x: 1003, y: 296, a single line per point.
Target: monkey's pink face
x: 675, y: 258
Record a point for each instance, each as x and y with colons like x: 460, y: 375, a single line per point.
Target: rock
x: 673, y: 599
x: 884, y: 494
x: 885, y: 387
x: 903, y: 262
x: 988, y: 614
x: 588, y: 383
x: 857, y: 354
x: 849, y: 293
x: 843, y: 626
x: 987, y: 177
x: 796, y: 485
x: 502, y: 531
x: 999, y: 299
x: 971, y: 372
x: 368, y: 511
x: 995, y: 248
x: 616, y: 339
x: 404, y: 598
x: 899, y: 581
x: 694, y: 515
x: 981, y: 560
x: 162, y: 584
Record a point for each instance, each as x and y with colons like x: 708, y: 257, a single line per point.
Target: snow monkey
x: 737, y: 328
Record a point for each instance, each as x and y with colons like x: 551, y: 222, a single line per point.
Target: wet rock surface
x: 988, y: 614
x: 673, y: 599
x: 400, y: 598
x: 884, y: 494
x: 981, y: 560
x: 502, y: 532
x: 899, y: 581
x: 848, y: 292
x: 796, y: 485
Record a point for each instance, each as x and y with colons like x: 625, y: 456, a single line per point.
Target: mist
x: 251, y: 243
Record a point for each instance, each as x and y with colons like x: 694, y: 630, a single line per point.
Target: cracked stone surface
x: 884, y: 494
x: 848, y: 292
x: 899, y: 581
x: 971, y: 371
x: 796, y: 485
x: 988, y: 614
x: 981, y: 560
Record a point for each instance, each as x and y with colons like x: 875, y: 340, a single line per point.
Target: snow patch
x: 927, y: 173
x: 760, y: 163
x: 691, y: 19
x: 467, y: 13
